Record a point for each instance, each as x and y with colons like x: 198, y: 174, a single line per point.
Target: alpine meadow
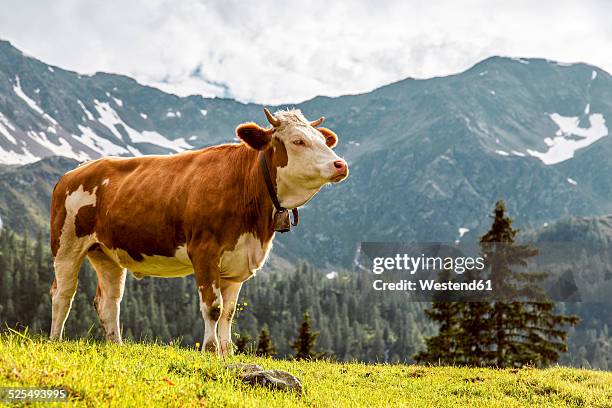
x: 224, y: 243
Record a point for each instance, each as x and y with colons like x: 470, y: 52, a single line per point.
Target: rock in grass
x: 243, y: 368
x: 276, y: 379
x: 254, y: 374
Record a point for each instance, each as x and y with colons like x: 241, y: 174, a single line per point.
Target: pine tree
x: 521, y: 332
x: 305, y: 342
x: 504, y: 331
x: 443, y: 348
x: 265, y: 347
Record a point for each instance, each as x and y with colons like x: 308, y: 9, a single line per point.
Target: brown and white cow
x: 206, y: 212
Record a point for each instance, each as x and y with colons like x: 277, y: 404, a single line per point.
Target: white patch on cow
x: 105, y: 182
x: 71, y: 246
x: 247, y: 256
x: 176, y: 266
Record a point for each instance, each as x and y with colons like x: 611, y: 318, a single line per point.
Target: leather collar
x: 281, y: 216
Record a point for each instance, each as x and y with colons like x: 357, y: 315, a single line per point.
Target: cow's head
x: 302, y: 153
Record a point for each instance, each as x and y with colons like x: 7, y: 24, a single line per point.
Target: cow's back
x: 118, y: 198
x: 150, y: 205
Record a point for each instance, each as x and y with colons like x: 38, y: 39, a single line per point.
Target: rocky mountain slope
x: 428, y: 157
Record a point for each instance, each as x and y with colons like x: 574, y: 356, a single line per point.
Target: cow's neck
x: 258, y: 207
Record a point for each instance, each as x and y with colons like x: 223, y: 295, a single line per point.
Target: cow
x: 211, y: 212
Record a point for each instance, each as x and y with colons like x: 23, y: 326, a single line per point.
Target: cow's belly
x: 155, y: 265
x: 247, y: 256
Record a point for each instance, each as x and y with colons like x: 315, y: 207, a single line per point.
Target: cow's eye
x: 299, y: 142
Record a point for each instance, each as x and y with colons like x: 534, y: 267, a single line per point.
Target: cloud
x: 286, y: 51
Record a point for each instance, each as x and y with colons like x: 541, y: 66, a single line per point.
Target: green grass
x: 150, y: 375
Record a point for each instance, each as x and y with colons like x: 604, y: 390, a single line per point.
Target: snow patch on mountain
x: 172, y: 114
x: 5, y: 125
x: 330, y: 275
x: 570, y: 137
x: 110, y: 119
x: 31, y: 103
x: 10, y: 157
x: 62, y: 149
x: 87, y: 112
x: 99, y: 144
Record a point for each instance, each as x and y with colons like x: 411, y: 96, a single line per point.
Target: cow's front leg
x: 229, y: 293
x: 209, y: 290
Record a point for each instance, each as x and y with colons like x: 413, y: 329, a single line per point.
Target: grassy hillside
x: 145, y: 374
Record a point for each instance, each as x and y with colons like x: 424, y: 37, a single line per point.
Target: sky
x: 289, y: 51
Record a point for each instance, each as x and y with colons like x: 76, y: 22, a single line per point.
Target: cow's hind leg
x: 63, y: 290
x: 111, y: 283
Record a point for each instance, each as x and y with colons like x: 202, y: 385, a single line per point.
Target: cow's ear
x: 254, y: 136
x: 331, y: 139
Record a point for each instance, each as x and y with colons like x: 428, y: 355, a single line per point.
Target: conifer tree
x: 517, y: 327
x: 265, y: 347
x: 443, y: 347
x: 522, y: 332
x: 305, y: 342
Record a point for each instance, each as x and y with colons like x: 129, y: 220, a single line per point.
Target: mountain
x: 46, y: 111
x: 25, y: 192
x: 587, y: 230
x: 428, y: 158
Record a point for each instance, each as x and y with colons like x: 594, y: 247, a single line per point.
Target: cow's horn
x: 317, y: 122
x: 273, y: 121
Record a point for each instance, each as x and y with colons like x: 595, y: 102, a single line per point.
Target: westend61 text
x: 432, y: 285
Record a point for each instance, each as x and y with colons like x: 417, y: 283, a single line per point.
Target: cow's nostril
x: 340, y: 164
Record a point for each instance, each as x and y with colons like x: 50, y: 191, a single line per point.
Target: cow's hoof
x: 227, y: 349
x: 211, y: 347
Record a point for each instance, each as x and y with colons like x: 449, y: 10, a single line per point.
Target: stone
x: 275, y: 379
x: 244, y: 368
x: 254, y: 374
